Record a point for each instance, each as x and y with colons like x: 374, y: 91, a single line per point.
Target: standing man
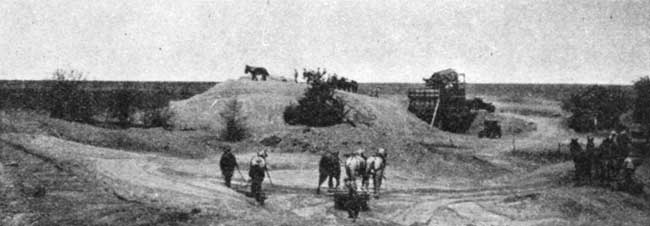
x: 629, y: 167
x: 228, y: 164
x: 624, y: 143
x: 257, y: 172
x: 295, y: 75
x: 353, y: 203
x: 612, y: 156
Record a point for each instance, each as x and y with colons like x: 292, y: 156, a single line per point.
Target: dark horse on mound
x: 255, y: 71
x: 329, y: 167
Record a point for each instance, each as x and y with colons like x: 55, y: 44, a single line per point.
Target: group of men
x: 609, y: 162
x: 256, y: 172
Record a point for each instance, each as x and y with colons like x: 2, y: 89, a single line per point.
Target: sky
x: 491, y: 41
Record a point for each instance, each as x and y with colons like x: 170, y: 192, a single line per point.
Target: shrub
x: 642, y: 102
x: 158, y: 118
x: 234, y: 128
x: 319, y: 107
x: 68, y: 100
x: 121, y: 105
x: 596, y: 107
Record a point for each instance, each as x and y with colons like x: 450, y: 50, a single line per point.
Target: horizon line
x: 205, y: 81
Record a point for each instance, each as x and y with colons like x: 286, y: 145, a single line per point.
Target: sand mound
x: 509, y: 124
x: 263, y: 105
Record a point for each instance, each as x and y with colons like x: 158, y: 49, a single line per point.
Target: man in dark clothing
x: 628, y: 172
x: 353, y: 204
x: 228, y: 164
x: 295, y: 75
x: 257, y: 172
x: 623, y: 143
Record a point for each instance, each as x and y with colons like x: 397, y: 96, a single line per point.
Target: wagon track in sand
x: 190, y: 184
x: 408, y: 197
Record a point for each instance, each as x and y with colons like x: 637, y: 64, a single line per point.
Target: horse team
x: 358, y: 169
x: 611, y: 161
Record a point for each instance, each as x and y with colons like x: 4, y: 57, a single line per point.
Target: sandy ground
x: 517, y: 196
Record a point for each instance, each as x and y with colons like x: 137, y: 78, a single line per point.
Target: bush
x: 642, y: 102
x: 596, y: 108
x: 68, y: 100
x: 319, y: 107
x: 235, y: 128
x: 121, y: 105
x: 158, y: 118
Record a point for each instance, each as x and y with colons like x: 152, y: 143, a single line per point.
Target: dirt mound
x: 263, y: 105
x: 509, y: 124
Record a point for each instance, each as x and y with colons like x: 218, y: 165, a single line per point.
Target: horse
x: 329, y: 167
x: 578, y: 159
x: 355, y: 167
x: 255, y: 71
x: 588, y: 157
x: 607, y: 149
x: 375, y: 166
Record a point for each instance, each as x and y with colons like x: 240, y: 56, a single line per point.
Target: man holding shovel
x: 228, y: 164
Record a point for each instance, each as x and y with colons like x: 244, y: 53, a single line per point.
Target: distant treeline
x: 557, y: 92
x: 155, y: 86
x: 147, y: 95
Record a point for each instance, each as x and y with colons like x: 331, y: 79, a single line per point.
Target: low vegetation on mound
x: 319, y: 107
x: 186, y: 144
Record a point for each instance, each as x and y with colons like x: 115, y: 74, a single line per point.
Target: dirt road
x: 520, y: 197
x: 196, y: 184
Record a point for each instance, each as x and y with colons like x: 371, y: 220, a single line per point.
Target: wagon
x: 491, y: 129
x: 341, y: 197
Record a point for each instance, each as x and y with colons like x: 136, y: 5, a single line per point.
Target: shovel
x: 267, y: 173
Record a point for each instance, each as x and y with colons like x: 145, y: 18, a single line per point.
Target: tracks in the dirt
x: 451, y: 205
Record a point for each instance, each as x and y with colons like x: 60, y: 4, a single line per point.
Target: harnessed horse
x: 329, y: 167
x: 355, y: 167
x: 375, y: 166
x: 255, y: 71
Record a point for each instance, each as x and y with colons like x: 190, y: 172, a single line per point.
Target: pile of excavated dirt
x: 376, y: 121
x: 509, y: 124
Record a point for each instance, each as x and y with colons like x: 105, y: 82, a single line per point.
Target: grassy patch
x: 548, y: 156
x: 186, y: 144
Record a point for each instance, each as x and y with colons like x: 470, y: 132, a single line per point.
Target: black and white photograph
x: 325, y: 112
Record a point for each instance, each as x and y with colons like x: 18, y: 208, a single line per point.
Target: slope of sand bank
x: 263, y: 105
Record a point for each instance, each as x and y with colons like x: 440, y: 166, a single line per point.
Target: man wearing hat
x: 257, y: 172
x: 228, y: 164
